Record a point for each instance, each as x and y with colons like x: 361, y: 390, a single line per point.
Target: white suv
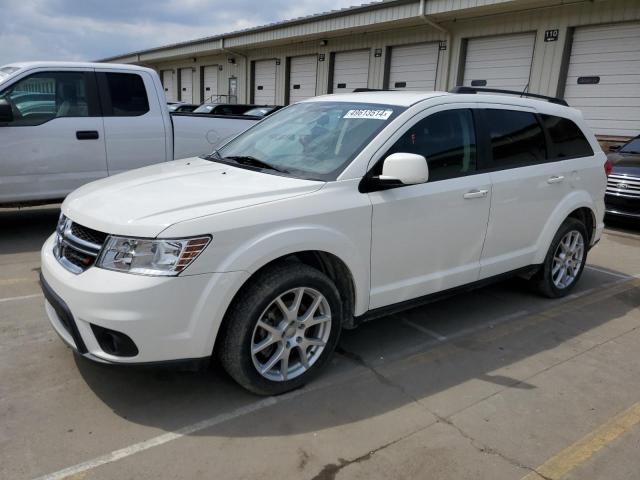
x: 328, y: 213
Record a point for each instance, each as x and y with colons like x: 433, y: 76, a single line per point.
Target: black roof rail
x: 463, y: 89
x: 364, y: 89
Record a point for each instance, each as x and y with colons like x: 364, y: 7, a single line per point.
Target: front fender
x: 260, y: 250
x: 574, y: 200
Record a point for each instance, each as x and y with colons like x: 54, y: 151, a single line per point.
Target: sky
x: 86, y: 30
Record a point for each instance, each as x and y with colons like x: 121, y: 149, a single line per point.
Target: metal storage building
x: 586, y: 51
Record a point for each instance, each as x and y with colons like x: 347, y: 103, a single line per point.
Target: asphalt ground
x: 494, y: 384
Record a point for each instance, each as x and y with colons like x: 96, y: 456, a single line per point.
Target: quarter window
x: 567, y: 140
x: 446, y: 139
x: 516, y: 138
x: 128, y: 95
x: 42, y: 97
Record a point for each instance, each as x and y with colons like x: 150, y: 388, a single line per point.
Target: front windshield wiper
x: 254, y: 162
x: 632, y: 152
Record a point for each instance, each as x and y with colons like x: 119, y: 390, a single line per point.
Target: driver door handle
x: 475, y: 194
x: 555, y: 179
x: 87, y: 135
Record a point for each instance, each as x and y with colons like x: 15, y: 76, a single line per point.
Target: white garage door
x: 186, y: 85
x: 603, y: 79
x: 210, y: 83
x: 167, y: 83
x: 350, y: 71
x: 302, y: 78
x: 499, y: 62
x: 413, y: 67
x: 264, y: 92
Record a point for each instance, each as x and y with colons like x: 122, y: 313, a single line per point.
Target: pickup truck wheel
x: 282, y: 329
x: 565, y: 260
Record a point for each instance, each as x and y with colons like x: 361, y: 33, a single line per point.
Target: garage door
x: 186, y: 85
x: 302, y: 77
x: 499, y: 62
x: 167, y: 83
x: 264, y: 92
x: 350, y: 71
x: 603, y: 79
x: 210, y: 83
x: 413, y: 67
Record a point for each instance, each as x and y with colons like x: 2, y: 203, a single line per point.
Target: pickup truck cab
x: 329, y: 212
x: 66, y: 124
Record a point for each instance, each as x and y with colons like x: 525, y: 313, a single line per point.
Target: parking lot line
x: 23, y: 297
x: 422, y: 329
x: 609, y: 272
x: 270, y: 401
x: 560, y: 465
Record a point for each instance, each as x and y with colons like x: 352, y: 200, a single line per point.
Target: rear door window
x: 567, y: 140
x: 516, y: 138
x: 123, y: 94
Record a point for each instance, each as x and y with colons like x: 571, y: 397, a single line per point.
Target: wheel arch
x: 577, y: 205
x: 328, y: 263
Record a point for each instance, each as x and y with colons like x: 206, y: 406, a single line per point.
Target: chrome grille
x: 623, y: 185
x: 77, y: 247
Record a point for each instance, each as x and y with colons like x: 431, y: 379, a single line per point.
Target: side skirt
x: 526, y: 272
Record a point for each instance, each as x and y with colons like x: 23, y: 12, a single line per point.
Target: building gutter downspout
x: 425, y: 18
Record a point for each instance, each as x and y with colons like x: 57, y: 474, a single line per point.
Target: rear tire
x: 565, y: 260
x: 282, y: 329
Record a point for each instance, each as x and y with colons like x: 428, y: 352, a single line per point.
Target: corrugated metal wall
x: 548, y: 63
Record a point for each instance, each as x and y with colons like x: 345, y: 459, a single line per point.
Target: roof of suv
x: 406, y: 99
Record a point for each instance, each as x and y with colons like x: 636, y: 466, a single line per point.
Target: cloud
x: 92, y: 29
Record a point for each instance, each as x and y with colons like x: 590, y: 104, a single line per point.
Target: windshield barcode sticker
x: 371, y: 114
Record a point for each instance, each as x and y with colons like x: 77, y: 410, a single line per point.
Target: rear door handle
x: 475, y: 194
x: 555, y: 179
x: 87, y: 135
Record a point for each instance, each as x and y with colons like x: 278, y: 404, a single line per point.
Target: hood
x: 146, y: 201
x: 625, y: 163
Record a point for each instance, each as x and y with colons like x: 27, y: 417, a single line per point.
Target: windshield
x: 6, y: 71
x: 315, y: 140
x: 632, y: 147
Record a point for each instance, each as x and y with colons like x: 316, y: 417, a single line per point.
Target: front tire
x: 281, y: 329
x: 565, y: 260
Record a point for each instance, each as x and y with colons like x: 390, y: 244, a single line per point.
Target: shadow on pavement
x: 25, y: 230
x: 393, y: 362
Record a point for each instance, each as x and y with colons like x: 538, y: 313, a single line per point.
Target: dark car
x: 232, y: 109
x: 179, y: 107
x: 623, y: 186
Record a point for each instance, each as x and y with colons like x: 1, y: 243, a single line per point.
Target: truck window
x: 42, y: 97
x: 516, y: 137
x: 567, y: 140
x: 127, y: 95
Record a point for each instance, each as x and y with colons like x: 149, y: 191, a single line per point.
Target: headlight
x: 150, y: 257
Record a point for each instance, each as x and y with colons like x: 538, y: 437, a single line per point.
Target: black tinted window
x: 446, y: 139
x: 128, y: 95
x: 516, y: 138
x: 632, y: 147
x: 567, y: 140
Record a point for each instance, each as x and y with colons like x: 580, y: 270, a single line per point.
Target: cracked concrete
x: 518, y: 379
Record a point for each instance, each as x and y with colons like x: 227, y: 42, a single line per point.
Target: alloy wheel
x: 291, y: 334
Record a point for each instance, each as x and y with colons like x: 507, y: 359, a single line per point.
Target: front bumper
x: 622, y: 206
x: 168, y: 318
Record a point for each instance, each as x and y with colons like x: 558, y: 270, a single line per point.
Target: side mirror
x: 6, y: 113
x: 614, y: 148
x: 405, y: 168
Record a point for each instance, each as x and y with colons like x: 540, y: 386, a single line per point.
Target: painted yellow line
x: 560, y: 465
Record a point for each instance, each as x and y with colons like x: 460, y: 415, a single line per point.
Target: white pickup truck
x: 66, y: 124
